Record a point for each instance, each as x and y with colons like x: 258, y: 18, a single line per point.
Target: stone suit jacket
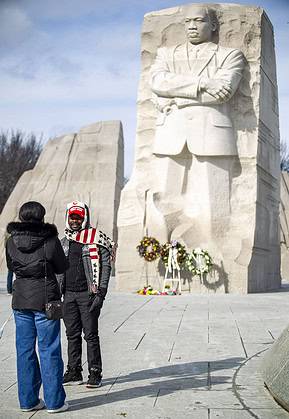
x: 186, y: 115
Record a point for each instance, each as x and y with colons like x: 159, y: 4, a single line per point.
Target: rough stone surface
x: 284, y: 224
x: 276, y: 369
x: 245, y: 246
x: 87, y: 166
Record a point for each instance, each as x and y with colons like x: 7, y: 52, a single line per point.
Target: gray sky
x: 68, y: 63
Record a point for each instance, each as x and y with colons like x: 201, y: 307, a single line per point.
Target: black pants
x: 77, y: 318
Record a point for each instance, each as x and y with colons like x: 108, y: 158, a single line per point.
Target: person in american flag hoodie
x: 84, y: 287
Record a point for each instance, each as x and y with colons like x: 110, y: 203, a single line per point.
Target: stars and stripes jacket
x: 104, y: 267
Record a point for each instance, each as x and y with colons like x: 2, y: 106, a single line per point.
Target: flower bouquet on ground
x: 148, y: 291
x: 169, y: 291
x: 149, y: 248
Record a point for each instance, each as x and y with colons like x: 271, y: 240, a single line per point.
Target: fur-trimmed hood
x: 29, y: 236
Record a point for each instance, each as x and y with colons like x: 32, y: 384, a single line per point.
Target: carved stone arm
x: 164, y: 83
x: 192, y: 89
x: 230, y: 71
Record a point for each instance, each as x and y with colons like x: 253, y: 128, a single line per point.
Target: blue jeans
x: 32, y: 325
x: 9, y: 281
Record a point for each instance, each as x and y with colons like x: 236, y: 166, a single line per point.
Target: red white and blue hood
x: 78, y: 207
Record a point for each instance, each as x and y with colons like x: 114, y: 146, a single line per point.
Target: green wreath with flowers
x: 181, y: 256
x: 199, y: 262
x: 149, y: 248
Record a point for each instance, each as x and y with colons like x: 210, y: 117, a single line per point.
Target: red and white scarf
x: 92, y: 238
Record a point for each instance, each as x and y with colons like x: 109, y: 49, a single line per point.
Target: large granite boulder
x: 87, y: 166
x: 219, y: 196
x: 276, y: 369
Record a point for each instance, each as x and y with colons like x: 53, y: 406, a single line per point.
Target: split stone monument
x: 86, y: 166
x: 207, y: 166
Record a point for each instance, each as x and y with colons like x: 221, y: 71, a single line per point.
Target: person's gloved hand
x: 97, y: 302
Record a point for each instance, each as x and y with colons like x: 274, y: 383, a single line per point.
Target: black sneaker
x: 94, y: 379
x: 72, y: 376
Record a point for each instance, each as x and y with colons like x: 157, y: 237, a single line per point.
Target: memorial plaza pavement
x: 169, y: 357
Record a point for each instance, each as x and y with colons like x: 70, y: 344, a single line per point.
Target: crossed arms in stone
x: 187, y: 89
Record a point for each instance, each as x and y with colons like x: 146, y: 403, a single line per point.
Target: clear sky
x: 68, y: 63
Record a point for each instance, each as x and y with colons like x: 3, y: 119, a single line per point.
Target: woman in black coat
x: 31, y: 244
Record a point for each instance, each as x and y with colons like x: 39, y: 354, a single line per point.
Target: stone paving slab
x: 189, y: 356
x: 244, y: 414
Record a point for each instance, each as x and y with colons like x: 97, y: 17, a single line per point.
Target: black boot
x: 94, y: 378
x: 72, y: 376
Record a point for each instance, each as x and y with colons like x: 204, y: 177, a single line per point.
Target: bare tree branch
x: 18, y: 152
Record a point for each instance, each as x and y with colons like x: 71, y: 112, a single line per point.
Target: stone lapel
x: 182, y: 63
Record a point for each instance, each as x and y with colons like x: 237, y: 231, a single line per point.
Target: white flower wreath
x: 199, y: 262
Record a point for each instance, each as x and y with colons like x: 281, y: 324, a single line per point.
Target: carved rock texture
x: 284, y: 225
x: 246, y: 250
x: 87, y: 166
x: 276, y: 369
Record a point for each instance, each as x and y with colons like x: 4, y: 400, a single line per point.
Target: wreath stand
x: 174, y: 278
x: 173, y: 268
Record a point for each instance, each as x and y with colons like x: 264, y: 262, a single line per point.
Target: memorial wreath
x: 199, y: 262
x: 181, y: 256
x: 149, y: 248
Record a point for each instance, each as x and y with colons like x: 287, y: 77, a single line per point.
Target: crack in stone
x: 140, y: 341
x: 139, y: 308
x: 64, y: 172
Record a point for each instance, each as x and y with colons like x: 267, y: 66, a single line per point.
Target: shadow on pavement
x: 166, y: 380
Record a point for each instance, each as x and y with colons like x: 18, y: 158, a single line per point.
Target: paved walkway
x: 189, y: 356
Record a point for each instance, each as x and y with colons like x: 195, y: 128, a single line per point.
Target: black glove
x: 97, y: 302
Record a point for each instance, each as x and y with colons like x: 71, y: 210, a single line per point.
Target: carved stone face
x: 199, y: 27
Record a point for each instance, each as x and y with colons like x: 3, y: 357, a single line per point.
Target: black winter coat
x: 25, y: 257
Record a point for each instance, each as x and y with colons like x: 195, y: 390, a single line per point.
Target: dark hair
x: 32, y: 211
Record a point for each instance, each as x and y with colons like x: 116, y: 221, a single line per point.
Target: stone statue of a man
x: 192, y: 85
